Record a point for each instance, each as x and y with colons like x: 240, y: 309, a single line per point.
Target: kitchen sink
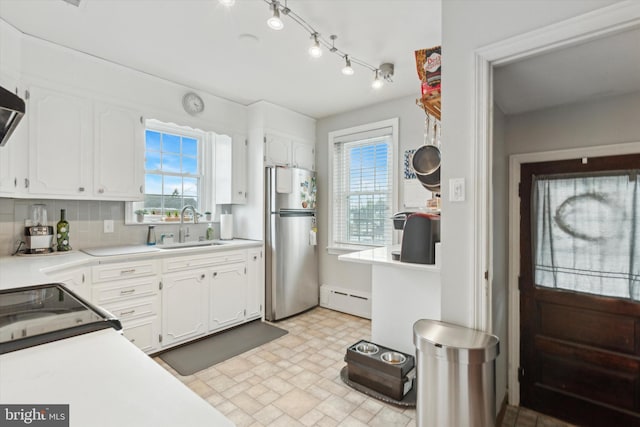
x: 185, y: 245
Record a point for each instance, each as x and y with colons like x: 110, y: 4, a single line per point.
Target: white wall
x: 604, y: 121
x: 466, y: 26
x: 411, y: 135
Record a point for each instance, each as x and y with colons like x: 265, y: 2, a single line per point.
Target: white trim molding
x: 393, y: 123
x: 616, y: 18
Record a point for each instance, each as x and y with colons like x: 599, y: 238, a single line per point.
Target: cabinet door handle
x: 26, y: 183
x: 80, y: 189
x: 100, y: 190
x: 142, y: 189
x: 215, y: 273
x: 15, y: 181
x: 127, y: 292
x: 255, y: 257
x: 202, y: 276
x: 129, y: 271
x: 127, y: 313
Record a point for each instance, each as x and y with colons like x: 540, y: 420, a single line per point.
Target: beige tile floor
x: 295, y: 381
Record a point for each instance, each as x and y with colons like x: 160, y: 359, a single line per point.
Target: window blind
x: 363, y: 188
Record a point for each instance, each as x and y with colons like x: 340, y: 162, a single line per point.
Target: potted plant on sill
x: 140, y: 213
x: 207, y: 215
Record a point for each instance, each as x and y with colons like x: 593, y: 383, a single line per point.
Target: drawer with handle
x: 125, y: 289
x: 123, y: 270
x: 134, y: 308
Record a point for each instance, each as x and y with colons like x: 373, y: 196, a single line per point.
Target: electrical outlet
x: 108, y: 226
x: 456, y: 190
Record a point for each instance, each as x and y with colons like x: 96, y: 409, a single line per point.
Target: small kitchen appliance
x: 38, y: 235
x: 419, y: 237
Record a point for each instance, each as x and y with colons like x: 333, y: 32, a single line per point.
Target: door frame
x: 612, y: 19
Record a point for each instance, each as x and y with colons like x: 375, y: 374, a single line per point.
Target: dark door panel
x: 580, y: 353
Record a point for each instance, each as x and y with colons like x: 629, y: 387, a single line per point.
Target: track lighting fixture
x: 381, y: 73
x: 315, y: 50
x: 274, y: 22
x: 347, y: 70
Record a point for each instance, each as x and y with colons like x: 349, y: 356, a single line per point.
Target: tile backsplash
x: 86, y: 223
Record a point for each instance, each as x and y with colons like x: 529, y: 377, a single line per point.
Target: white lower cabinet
x: 184, y: 306
x: 227, y: 296
x: 207, y: 293
x: 131, y: 292
x: 144, y: 333
x: 77, y: 280
x: 255, y: 283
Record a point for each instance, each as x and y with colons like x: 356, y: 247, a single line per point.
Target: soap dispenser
x: 151, y: 236
x: 209, y: 232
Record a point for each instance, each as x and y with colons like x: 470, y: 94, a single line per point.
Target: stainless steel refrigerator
x: 290, y: 240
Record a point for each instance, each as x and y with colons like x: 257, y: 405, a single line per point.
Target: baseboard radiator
x: 348, y: 301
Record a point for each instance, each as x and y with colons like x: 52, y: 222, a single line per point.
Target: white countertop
x: 106, y: 381
x: 20, y: 271
x: 382, y: 256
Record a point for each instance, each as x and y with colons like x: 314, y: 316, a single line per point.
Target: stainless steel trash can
x: 455, y: 375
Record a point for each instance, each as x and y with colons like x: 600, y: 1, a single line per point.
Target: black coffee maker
x: 421, y: 232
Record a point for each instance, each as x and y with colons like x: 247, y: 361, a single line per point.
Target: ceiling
x: 231, y: 53
x: 600, y: 68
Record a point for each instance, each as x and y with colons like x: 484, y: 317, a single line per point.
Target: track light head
x: 315, y: 50
x: 274, y: 22
x: 347, y: 70
x: 377, y: 82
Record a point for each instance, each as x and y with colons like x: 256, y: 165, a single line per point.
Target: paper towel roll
x: 226, y: 226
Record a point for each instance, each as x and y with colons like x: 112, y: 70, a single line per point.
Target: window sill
x: 347, y: 249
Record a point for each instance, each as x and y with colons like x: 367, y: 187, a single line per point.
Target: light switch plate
x: 108, y: 226
x: 456, y: 190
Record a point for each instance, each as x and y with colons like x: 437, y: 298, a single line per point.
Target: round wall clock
x: 192, y: 103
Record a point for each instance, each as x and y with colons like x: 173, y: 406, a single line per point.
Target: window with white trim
x: 363, y: 185
x: 174, y: 172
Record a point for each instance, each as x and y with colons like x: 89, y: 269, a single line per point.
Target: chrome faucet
x: 181, y: 233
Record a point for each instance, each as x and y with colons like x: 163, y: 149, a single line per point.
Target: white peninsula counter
x: 401, y: 294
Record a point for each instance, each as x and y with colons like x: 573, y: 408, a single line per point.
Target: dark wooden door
x: 579, y: 352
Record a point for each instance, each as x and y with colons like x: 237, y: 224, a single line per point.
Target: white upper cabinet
x: 118, y: 153
x: 231, y: 169
x: 277, y: 150
x: 303, y: 155
x: 283, y: 151
x: 59, y: 143
x: 83, y: 148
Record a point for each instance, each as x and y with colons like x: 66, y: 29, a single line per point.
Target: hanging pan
x: 426, y: 160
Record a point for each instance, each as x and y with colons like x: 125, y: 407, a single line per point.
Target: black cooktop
x: 45, y: 313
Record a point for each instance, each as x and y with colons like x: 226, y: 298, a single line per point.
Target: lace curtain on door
x: 587, y: 233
